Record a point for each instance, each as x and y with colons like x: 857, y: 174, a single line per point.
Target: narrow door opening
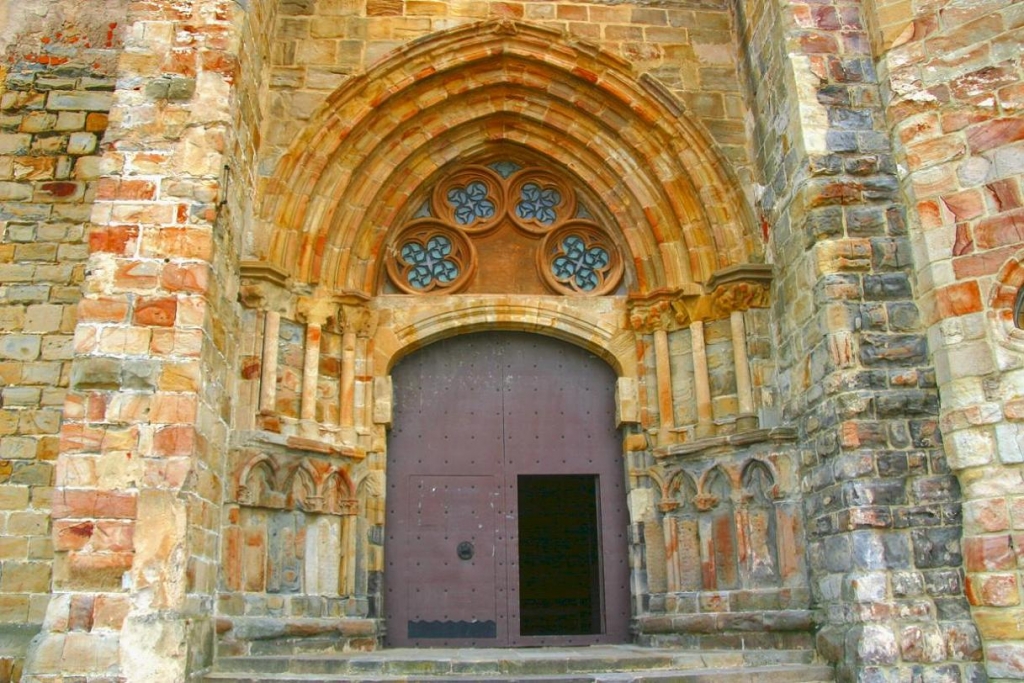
x: 559, y: 574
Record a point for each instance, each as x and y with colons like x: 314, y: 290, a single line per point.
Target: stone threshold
x: 590, y: 663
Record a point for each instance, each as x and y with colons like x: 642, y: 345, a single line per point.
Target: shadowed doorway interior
x: 559, y: 574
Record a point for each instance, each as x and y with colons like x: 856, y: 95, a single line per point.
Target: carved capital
x: 360, y: 319
x: 705, y: 502
x: 662, y: 310
x: 314, y: 310
x: 263, y: 287
x: 738, y: 296
x: 668, y: 505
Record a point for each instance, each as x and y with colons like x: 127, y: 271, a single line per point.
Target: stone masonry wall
x: 56, y: 79
x: 820, y: 107
x: 953, y: 85
x: 138, y: 486
x: 883, y: 514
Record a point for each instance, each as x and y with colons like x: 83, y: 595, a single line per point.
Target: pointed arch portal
x: 484, y: 183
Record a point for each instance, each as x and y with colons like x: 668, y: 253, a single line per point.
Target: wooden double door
x: 506, y: 510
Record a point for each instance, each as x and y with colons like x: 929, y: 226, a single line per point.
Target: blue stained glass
x: 505, y: 168
x: 471, y: 203
x: 579, y: 264
x: 424, y: 211
x: 538, y: 204
x: 430, y: 263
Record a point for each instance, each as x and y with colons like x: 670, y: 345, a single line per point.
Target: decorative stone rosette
x: 435, y: 254
x: 578, y: 258
x: 431, y: 256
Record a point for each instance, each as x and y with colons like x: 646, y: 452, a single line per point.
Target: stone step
x: 535, y: 665
x: 804, y: 673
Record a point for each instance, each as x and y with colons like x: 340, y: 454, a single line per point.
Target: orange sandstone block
x: 93, y: 504
x: 136, y: 275
x: 71, y: 535
x: 965, y: 205
x: 173, y: 408
x: 103, y: 310
x: 989, y: 553
x: 179, y: 377
x: 174, y: 440
x: 995, y: 590
x: 156, y: 312
x: 958, y: 299
x: 1004, y: 229
x: 191, y: 277
x: 983, y: 264
x: 995, y: 134
x: 115, y: 239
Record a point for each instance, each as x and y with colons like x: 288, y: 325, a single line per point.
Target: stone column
x: 702, y: 385
x: 746, y: 419
x: 310, y: 377
x: 268, y: 366
x: 348, y: 383
x: 359, y: 323
x: 663, y: 372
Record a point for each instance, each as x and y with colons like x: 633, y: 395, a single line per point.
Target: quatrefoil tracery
x: 436, y: 254
x: 431, y: 256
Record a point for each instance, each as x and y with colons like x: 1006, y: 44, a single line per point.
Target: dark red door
x: 484, y: 425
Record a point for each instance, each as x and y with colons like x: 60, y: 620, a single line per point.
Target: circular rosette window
x: 471, y: 200
x: 540, y: 201
x: 578, y: 258
x: 431, y: 257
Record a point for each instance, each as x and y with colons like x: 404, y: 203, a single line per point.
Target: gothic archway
x: 496, y: 177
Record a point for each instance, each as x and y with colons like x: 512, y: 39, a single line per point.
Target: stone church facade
x: 769, y: 250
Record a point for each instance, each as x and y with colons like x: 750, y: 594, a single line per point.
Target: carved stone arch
x: 257, y: 481
x: 468, y: 90
x: 680, y: 533
x: 338, y: 493
x: 303, y: 489
x: 681, y: 490
x: 714, y: 487
x: 718, y: 532
x: 1005, y: 308
x: 759, y: 561
x: 370, y: 494
x: 587, y: 328
x: 759, y: 481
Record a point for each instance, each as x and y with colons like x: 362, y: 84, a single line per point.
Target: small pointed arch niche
x: 505, y: 222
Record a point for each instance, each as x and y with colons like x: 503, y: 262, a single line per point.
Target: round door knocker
x: 464, y: 550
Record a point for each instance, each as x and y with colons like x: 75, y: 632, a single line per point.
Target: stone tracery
x: 503, y: 202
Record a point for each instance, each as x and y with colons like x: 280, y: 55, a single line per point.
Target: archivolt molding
x: 596, y: 324
x: 472, y: 90
x: 1003, y: 303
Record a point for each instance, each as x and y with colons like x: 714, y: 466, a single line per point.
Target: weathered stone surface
x: 163, y: 159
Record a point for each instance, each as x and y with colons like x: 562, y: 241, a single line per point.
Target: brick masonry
x: 179, y: 181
